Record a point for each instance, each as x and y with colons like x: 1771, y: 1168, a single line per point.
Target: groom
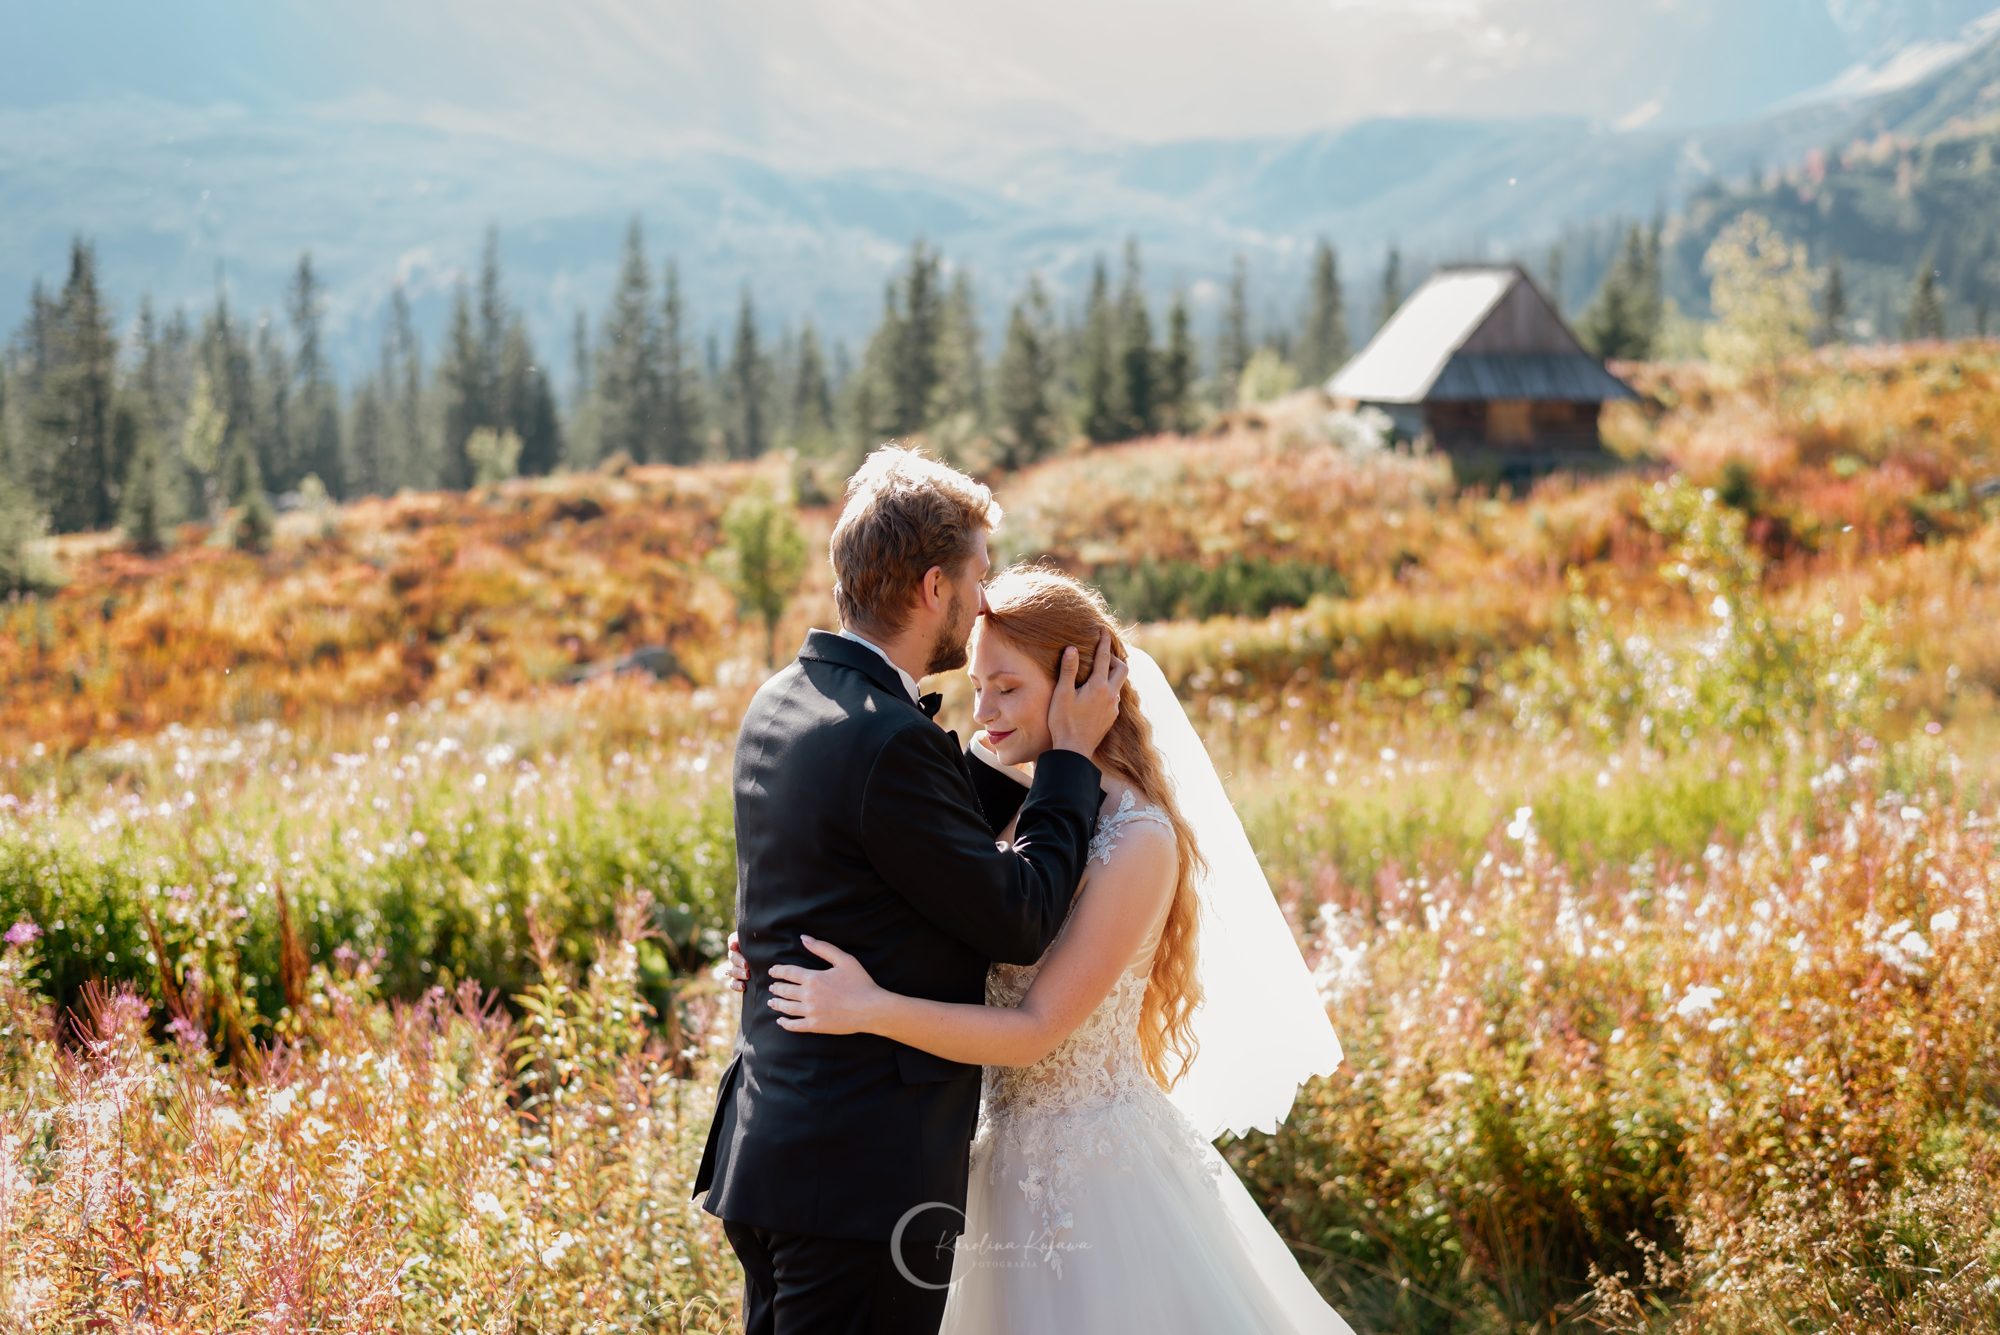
x: 858, y: 821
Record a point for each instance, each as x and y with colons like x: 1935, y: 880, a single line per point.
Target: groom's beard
x: 948, y: 650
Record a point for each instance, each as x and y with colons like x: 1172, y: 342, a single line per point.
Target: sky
x: 932, y: 86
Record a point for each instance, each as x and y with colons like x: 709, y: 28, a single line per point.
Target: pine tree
x: 481, y: 388
x: 28, y: 457
x: 1232, y: 344
x: 151, y: 382
x: 811, y: 395
x: 628, y: 352
x: 408, y: 459
x: 1323, y: 347
x: 256, y: 522
x: 1925, y: 319
x: 902, y: 368
x: 318, y: 411
x: 679, y: 378
x: 920, y: 331
x: 232, y: 383
x: 239, y: 477
x: 1555, y: 279
x: 161, y: 391
x: 960, y: 393
x: 580, y: 434
x: 1623, y: 319
x: 368, y: 469
x: 271, y: 421
x: 1027, y: 368
x: 1177, y: 370
x: 1097, y: 376
x: 495, y: 323
x: 465, y: 405
x: 149, y: 504
x: 528, y: 404
x: 872, y: 406
x: 1391, y: 299
x: 1833, y: 305
x: 73, y: 407
x: 1136, y: 396
x: 747, y: 428
x: 1655, y: 289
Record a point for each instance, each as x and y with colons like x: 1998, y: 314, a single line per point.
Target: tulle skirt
x: 1156, y: 1236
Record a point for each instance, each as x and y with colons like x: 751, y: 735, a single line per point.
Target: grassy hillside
x: 493, y: 593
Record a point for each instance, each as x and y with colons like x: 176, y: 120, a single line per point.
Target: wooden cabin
x: 1480, y: 362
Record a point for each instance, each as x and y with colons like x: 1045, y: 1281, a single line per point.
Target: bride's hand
x: 839, y: 1000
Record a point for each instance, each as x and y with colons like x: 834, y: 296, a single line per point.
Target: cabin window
x: 1510, y: 422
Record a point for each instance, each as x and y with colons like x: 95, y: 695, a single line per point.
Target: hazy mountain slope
x: 166, y: 191
x: 1915, y: 186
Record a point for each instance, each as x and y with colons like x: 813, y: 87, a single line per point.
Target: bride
x: 1173, y: 1008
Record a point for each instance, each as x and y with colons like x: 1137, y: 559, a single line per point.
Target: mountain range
x: 179, y: 197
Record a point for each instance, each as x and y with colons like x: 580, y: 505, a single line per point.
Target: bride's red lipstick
x: 995, y: 738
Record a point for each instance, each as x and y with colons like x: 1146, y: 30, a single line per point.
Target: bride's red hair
x: 1042, y: 612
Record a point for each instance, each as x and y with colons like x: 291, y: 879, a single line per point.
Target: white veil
x: 1262, y: 1025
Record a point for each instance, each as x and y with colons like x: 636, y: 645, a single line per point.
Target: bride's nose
x: 982, y: 708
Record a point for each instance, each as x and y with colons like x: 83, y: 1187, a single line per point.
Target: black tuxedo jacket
x: 858, y: 822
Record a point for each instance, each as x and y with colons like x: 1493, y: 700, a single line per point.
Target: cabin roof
x: 1476, y: 334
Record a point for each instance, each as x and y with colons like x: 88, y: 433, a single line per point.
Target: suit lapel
x: 825, y: 647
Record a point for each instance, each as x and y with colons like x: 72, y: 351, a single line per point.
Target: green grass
x: 437, y: 841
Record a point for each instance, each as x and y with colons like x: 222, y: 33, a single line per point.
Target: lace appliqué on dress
x: 1105, y: 842
x: 1090, y: 1098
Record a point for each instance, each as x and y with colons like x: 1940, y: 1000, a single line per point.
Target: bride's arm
x: 1117, y: 912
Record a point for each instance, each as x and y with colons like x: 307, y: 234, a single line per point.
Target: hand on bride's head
x: 842, y: 999
x: 1080, y: 717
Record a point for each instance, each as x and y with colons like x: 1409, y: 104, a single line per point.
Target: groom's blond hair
x: 904, y: 515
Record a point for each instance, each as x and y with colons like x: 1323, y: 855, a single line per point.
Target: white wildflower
x: 1697, y: 1000
x: 552, y: 1254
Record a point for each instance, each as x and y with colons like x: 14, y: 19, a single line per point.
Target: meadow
x: 1640, y: 830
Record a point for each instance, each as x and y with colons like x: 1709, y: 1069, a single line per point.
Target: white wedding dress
x: 1096, y: 1206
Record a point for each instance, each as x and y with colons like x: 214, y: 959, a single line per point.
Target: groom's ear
x: 930, y: 590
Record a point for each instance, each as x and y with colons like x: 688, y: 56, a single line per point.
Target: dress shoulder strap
x: 1105, y: 842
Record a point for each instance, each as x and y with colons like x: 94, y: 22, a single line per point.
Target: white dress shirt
x: 909, y: 682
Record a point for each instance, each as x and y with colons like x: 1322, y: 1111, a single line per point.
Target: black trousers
x: 800, y: 1284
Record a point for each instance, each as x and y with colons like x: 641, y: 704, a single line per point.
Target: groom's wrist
x: 1061, y: 758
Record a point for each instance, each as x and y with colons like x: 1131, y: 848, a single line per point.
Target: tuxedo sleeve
x: 923, y: 832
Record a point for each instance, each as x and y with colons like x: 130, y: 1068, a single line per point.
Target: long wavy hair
x: 1041, y: 612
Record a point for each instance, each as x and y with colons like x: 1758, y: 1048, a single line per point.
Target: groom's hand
x: 1080, y: 716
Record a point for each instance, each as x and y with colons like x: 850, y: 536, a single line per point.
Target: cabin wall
x: 1514, y: 425
x: 1517, y: 440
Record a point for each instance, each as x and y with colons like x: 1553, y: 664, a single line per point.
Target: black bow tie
x: 930, y: 704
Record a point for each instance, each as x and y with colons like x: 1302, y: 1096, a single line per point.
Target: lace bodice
x: 1101, y: 1058
x: 1091, y: 1096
